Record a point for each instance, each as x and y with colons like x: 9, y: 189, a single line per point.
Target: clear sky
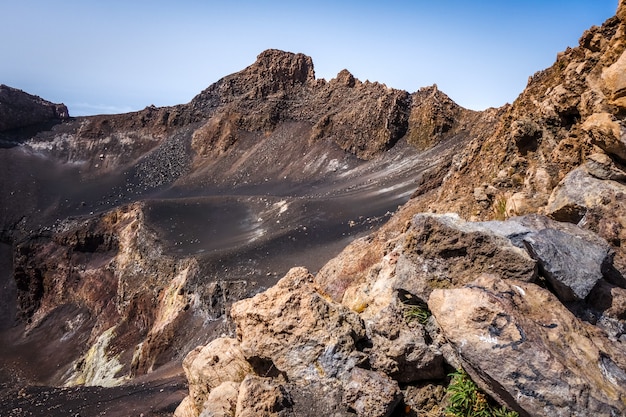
x: 121, y: 55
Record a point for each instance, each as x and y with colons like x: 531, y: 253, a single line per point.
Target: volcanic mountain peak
x: 286, y: 67
x: 273, y: 72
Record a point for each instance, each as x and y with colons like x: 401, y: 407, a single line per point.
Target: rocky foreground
x: 130, y: 242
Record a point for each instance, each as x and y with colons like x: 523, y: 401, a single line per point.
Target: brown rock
x: 609, y: 299
x: 605, y: 132
x: 614, y: 78
x: 602, y: 167
x: 262, y: 397
x: 301, y: 333
x: 517, y: 204
x: 345, y: 79
x: 186, y: 408
x: 579, y: 192
x: 208, y: 367
x: 528, y: 351
x: 426, y: 399
x: 443, y: 251
x: 371, y: 394
x: 349, y: 268
x: 526, y: 133
x: 20, y: 109
x: 222, y: 400
x: 432, y: 115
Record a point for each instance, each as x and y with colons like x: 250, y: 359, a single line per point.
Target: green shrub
x: 419, y: 312
x: 466, y: 400
x: 499, y: 208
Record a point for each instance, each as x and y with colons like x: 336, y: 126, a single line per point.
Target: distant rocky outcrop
x: 20, y: 109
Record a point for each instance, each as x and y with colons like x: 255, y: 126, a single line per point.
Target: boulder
x: 577, y: 193
x: 262, y: 397
x: 605, y: 132
x: 444, y: 251
x: 208, y: 367
x: 371, y: 393
x: 572, y: 259
x: 571, y: 264
x: 298, y: 331
x: 602, y: 167
x: 521, y: 345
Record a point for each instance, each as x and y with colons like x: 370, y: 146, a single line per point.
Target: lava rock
x: 571, y: 264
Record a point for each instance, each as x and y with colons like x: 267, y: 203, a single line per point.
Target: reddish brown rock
x: 301, y: 333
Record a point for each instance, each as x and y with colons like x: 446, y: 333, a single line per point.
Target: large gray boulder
x: 445, y: 251
x: 572, y: 264
x: 521, y: 345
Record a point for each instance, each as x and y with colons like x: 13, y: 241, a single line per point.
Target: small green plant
x: 419, y: 312
x: 504, y: 412
x: 499, y: 208
x: 466, y: 400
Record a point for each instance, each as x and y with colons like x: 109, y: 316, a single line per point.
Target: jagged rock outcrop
x: 123, y: 300
x: 566, y: 114
x: 497, y: 319
x: 362, y: 118
x: 20, y: 109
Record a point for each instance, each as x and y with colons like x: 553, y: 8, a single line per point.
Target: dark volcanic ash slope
x: 132, y: 233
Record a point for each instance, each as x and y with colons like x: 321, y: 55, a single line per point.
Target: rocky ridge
x: 19, y: 109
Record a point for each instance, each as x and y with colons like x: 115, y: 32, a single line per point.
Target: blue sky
x: 117, y: 56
